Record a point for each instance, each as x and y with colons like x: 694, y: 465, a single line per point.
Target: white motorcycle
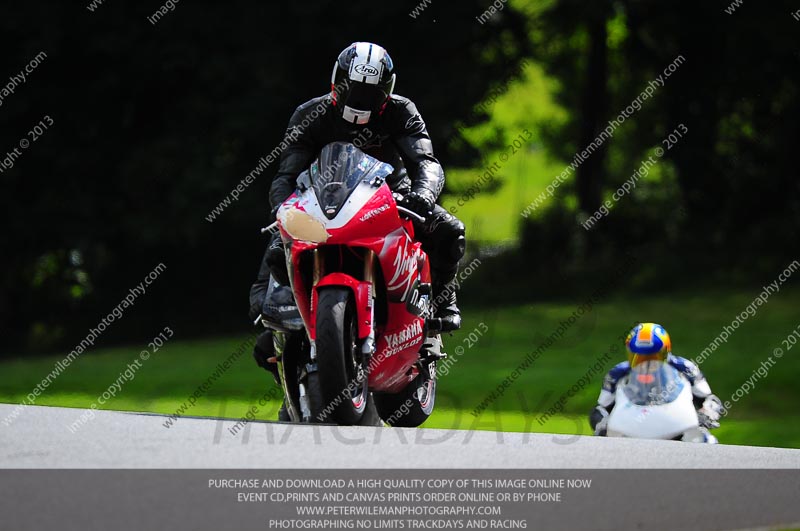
x: 655, y: 402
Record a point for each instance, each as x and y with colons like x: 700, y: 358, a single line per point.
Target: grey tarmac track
x: 127, y: 471
x: 39, y: 438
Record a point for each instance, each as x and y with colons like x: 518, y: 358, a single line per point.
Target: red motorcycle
x: 363, y: 287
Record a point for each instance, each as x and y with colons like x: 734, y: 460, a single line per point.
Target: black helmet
x: 362, y: 82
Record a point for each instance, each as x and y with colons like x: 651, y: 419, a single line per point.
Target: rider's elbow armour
x: 701, y: 389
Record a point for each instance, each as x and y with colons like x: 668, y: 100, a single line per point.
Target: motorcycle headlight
x: 303, y: 226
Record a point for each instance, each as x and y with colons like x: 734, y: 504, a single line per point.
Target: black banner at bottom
x: 398, y: 499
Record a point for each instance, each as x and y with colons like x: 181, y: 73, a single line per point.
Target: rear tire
x: 336, y: 392
x: 283, y: 413
x: 371, y: 417
x: 410, y: 407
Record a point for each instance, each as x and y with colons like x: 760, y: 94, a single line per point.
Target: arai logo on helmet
x: 365, y: 70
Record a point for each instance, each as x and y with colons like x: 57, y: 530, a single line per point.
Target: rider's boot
x: 445, y: 305
x: 264, y: 352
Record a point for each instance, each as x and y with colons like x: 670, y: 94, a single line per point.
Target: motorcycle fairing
x: 366, y: 217
x: 665, y: 414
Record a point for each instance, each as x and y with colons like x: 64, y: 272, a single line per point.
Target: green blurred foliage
x: 717, y: 208
x: 766, y: 416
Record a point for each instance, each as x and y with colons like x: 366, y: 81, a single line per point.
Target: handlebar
x: 398, y: 197
x: 270, y: 228
x: 411, y: 214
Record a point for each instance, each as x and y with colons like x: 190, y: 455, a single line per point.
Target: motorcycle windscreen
x: 338, y: 171
x: 653, y: 383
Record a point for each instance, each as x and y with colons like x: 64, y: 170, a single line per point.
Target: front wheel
x: 413, y: 405
x: 340, y: 394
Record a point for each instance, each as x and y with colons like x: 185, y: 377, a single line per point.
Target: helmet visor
x: 653, y: 383
x: 355, y: 116
x: 638, y: 359
x: 361, y: 101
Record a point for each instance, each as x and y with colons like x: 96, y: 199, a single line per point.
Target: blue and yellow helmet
x: 648, y: 342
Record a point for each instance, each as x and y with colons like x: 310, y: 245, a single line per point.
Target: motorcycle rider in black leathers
x: 361, y: 108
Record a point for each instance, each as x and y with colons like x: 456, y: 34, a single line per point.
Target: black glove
x: 598, y: 420
x: 419, y: 203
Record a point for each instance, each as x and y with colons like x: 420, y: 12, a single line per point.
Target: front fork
x: 367, y: 347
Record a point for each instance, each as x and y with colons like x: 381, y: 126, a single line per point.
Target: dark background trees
x: 155, y: 124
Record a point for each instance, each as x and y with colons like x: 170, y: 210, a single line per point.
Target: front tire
x: 340, y: 394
